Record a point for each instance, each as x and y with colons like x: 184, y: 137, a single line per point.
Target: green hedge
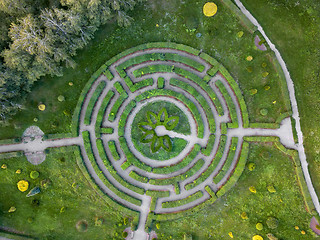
x: 138, y: 177
x: 157, y: 68
x: 202, y: 101
x: 113, y: 150
x: 161, y: 57
x: 101, y: 113
x: 230, y: 104
x: 138, y: 85
x: 108, y: 74
x: 93, y: 100
x: 178, y: 203
x: 215, y: 161
x: 237, y: 171
x: 207, y: 150
x: 229, y: 160
x: 124, y: 116
x: 116, y: 106
x: 232, y: 83
x: 160, y: 82
x: 118, y: 86
x: 107, y: 130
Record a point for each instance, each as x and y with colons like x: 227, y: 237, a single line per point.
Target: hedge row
x: 261, y: 139
x: 230, y: 104
x: 234, y: 86
x: 93, y: 100
x: 264, y: 125
x: 215, y: 161
x: 113, y: 150
x: 113, y: 172
x: 208, y: 149
x: 223, y: 127
x: 184, y: 201
x: 138, y: 177
x: 108, y: 74
x: 116, y: 106
x: 227, y: 164
x: 104, y: 179
x: 165, y: 92
x: 192, y: 91
x: 185, y: 162
x: 124, y: 116
x: 158, y: 56
x: 237, y: 171
x: 118, y: 86
x: 155, y: 195
x: 160, y: 82
x: 130, y: 158
x: 102, y: 112
x: 200, y: 82
x: 107, y: 130
x: 157, y: 68
x: 174, y: 180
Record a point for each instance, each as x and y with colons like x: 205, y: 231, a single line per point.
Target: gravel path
x: 294, y: 105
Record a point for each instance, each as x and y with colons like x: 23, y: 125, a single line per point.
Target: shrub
x: 252, y: 189
x: 272, y: 222
x: 263, y: 111
x: 271, y: 236
x: 259, y: 226
x: 82, y: 226
x: 251, y: 166
x: 271, y: 189
x: 34, y: 174
x: 244, y: 215
x: 240, y: 34
x: 23, y: 185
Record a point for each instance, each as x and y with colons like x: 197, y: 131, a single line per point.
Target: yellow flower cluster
x: 23, y: 185
x: 210, y: 9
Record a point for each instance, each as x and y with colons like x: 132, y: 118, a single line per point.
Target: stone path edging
x: 294, y: 105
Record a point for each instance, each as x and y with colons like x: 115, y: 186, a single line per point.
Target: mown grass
x: 223, y: 216
x: 293, y: 27
x: 68, y: 199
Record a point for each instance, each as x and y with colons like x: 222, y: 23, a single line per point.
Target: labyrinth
x: 157, y: 125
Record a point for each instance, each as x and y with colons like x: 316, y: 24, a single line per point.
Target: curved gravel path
x: 294, y: 105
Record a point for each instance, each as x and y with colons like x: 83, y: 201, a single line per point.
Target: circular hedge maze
x: 157, y: 124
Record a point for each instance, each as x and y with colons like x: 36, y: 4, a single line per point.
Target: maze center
x: 160, y: 123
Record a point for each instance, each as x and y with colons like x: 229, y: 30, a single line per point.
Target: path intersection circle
x: 163, y: 127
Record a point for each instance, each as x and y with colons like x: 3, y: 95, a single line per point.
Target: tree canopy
x: 40, y: 37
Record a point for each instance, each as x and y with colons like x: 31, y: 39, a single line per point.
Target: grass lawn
x: 296, y: 37
x: 70, y: 198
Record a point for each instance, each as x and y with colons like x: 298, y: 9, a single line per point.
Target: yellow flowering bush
x: 210, y: 9
x: 42, y: 107
x: 23, y: 185
x: 257, y: 237
x: 230, y: 234
x: 244, y: 215
x: 252, y: 189
x: 249, y: 58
